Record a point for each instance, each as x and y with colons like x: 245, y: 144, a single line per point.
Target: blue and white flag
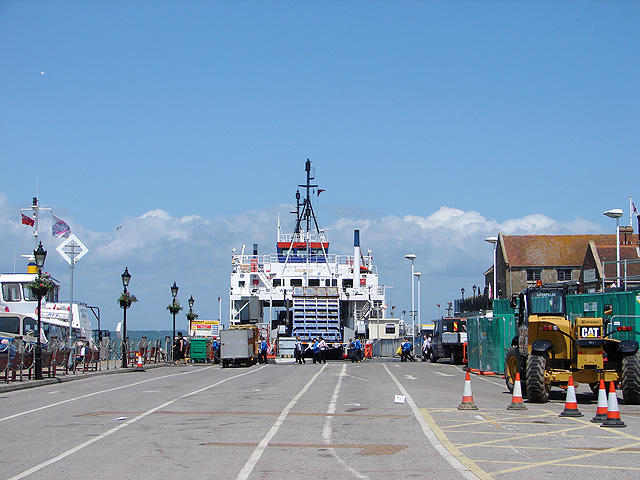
x: 60, y: 228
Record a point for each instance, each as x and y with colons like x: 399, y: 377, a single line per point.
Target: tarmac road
x: 338, y: 420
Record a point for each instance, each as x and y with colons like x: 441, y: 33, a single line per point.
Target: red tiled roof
x: 550, y: 250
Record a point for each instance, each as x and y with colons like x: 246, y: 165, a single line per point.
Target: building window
x: 534, y: 275
x: 564, y: 275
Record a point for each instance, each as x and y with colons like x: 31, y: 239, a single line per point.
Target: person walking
x: 262, y: 350
x: 351, y: 346
x: 215, y: 348
x: 406, y: 351
x: 179, y: 348
x: 323, y: 350
x: 357, y: 350
x: 298, y: 352
x: 426, y: 348
x: 315, y: 350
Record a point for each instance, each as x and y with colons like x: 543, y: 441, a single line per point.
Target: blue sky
x: 431, y: 125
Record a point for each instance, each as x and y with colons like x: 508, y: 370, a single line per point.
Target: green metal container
x: 199, y: 349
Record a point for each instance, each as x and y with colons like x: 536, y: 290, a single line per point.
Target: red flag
x: 28, y: 220
x: 320, y: 190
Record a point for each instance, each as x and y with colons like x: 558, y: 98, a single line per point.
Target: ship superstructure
x: 302, y: 288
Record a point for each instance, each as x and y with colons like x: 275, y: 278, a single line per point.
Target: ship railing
x: 252, y: 263
x: 303, y: 237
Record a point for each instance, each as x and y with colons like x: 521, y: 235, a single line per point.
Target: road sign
x: 72, y: 249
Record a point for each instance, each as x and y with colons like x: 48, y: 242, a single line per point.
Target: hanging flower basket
x: 174, y: 307
x: 41, y: 285
x: 191, y: 316
x: 126, y: 299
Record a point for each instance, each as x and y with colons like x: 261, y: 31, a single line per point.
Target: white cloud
x: 159, y: 249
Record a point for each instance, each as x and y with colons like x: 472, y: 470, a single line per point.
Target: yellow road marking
x: 560, y: 460
x: 498, y: 422
x: 446, y: 443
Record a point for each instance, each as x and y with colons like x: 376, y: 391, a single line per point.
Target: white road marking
x: 444, y: 453
x: 259, y: 450
x: 122, y: 425
x: 44, y: 407
x: 326, y: 430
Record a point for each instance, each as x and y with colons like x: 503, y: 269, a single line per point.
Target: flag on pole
x: 60, y: 228
x: 28, y: 220
x: 320, y: 190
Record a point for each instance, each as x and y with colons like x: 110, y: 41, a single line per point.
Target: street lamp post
x: 417, y: 275
x: 174, y: 294
x: 493, y: 240
x: 125, y: 304
x: 616, y: 213
x: 40, y: 255
x: 190, y: 316
x: 462, y: 303
x: 412, y: 257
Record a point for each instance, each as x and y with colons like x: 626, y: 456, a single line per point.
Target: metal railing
x: 624, y: 277
x: 17, y: 357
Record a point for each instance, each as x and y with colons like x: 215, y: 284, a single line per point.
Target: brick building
x: 522, y: 260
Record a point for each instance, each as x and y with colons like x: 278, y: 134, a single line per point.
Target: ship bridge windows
x: 11, y: 292
x: 296, y: 282
x: 277, y: 282
x: 314, y: 282
x: 347, y: 283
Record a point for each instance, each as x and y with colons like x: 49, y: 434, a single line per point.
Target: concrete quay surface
x: 371, y: 420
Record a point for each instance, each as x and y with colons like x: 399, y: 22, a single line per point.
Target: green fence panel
x: 626, y: 310
x: 488, y: 339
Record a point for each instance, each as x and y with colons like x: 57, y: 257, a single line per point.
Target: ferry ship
x: 303, y: 289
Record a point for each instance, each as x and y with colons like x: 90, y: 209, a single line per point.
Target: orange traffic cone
x: 139, y: 365
x: 571, y: 404
x: 467, y: 396
x: 613, y: 414
x: 601, y: 411
x: 516, y: 400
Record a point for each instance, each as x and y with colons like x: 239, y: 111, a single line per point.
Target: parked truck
x: 239, y: 345
x: 449, y: 340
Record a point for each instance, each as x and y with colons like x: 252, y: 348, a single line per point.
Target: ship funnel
x: 356, y: 258
x: 255, y: 249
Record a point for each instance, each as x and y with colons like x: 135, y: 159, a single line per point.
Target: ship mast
x: 307, y: 212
